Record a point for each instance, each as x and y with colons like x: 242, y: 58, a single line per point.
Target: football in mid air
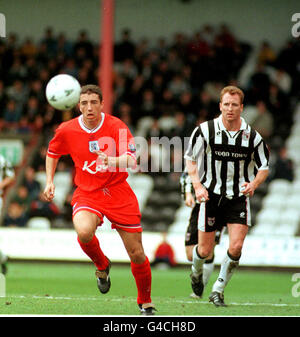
x: 63, y: 92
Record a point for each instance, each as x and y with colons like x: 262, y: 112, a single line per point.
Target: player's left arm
x: 125, y: 148
x: 51, y: 164
x: 249, y: 188
x: 126, y: 160
x: 261, y: 158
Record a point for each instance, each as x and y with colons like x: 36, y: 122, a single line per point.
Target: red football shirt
x: 111, y: 136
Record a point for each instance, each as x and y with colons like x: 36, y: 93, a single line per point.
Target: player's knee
x: 235, y: 249
x: 136, y: 254
x: 204, y: 251
x: 85, y: 236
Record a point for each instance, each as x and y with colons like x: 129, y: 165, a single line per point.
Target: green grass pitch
x: 70, y: 289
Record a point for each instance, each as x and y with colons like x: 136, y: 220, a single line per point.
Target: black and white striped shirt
x: 227, y: 159
x: 6, y: 170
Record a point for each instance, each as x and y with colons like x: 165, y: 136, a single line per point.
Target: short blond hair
x: 232, y: 90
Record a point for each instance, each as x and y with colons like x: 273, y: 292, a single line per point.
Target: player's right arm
x: 49, y: 190
x: 57, y: 147
x: 192, y: 156
x: 200, y: 191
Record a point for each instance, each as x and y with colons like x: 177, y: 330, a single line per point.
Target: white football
x: 63, y: 92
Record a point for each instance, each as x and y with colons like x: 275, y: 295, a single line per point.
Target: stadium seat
x: 167, y: 123
x: 293, y: 142
x: 295, y: 130
x: 294, y: 154
x: 267, y: 216
x: 62, y: 182
x: 142, y: 185
x: 181, y: 220
x: 140, y: 180
x: 142, y: 197
x: 286, y: 229
x: 293, y: 201
x: 289, y: 217
x: 183, y: 213
x: 274, y: 200
x: 39, y: 223
x: 262, y: 229
x: 280, y: 186
x: 143, y: 125
x: 60, y: 195
x: 63, y: 178
x: 297, y: 172
x: 296, y: 188
x: 288, y: 223
x: 41, y: 178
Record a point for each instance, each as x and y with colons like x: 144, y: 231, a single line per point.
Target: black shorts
x: 191, y: 234
x: 221, y: 209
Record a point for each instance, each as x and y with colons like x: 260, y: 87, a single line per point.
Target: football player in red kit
x: 102, y: 147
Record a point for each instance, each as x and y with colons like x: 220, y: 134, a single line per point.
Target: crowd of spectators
x: 176, y: 80
x: 28, y: 202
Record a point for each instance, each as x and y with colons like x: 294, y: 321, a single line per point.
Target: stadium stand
x: 280, y: 213
x: 39, y: 223
x: 142, y: 185
x: 158, y: 92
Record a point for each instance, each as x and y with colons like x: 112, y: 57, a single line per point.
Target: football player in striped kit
x: 226, y: 160
x: 191, y: 234
x: 7, y: 177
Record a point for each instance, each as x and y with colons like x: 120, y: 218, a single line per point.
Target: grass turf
x: 70, y: 289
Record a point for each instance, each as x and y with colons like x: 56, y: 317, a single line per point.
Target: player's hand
x: 248, y: 189
x: 189, y: 199
x: 201, y: 194
x: 103, y: 157
x: 49, y: 192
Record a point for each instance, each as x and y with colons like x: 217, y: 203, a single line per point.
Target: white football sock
x: 197, y: 266
x: 227, y: 268
x: 208, y: 268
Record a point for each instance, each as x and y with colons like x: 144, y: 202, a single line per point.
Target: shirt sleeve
x: 58, y: 145
x: 261, y: 156
x: 195, y: 145
x: 125, y: 142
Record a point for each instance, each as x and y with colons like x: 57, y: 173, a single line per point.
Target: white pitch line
x: 166, y: 301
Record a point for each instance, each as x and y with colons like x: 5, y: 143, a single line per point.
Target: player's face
x: 91, y: 107
x: 231, y: 107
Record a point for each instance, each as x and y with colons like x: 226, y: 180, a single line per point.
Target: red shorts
x: 118, y: 203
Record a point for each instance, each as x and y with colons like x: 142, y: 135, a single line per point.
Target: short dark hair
x: 91, y: 89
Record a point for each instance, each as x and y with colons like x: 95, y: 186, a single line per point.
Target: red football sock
x: 142, y: 275
x: 94, y: 252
